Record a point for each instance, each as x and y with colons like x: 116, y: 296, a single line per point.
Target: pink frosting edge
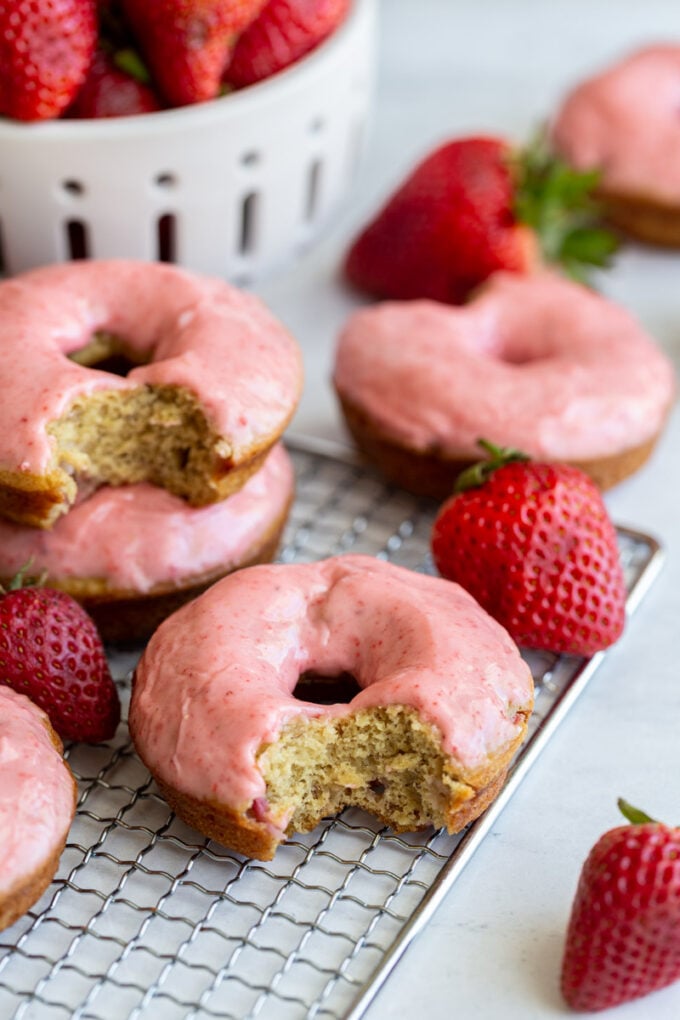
x: 623, y: 121
x: 37, y: 801
x: 137, y: 537
x: 535, y: 361
x: 248, y: 388
x: 261, y: 625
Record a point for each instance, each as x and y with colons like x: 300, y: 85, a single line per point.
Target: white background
x: 447, y: 67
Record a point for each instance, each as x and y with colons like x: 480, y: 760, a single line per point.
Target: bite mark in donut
x: 213, y: 383
x: 443, y: 702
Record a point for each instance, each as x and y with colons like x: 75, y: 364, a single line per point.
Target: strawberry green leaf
x: 560, y: 205
x: 129, y: 61
x: 477, y: 474
x: 634, y: 815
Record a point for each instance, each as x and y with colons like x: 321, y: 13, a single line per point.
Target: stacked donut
x: 134, y: 491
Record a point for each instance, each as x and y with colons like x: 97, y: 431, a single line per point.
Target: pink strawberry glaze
x: 139, y: 536
x: 220, y: 343
x: 626, y: 122
x: 37, y: 800
x: 216, y: 681
x: 536, y: 362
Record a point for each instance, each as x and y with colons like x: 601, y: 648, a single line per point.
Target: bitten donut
x: 534, y: 362
x: 37, y: 804
x: 624, y: 123
x: 215, y: 381
x: 134, y: 554
x: 442, y: 708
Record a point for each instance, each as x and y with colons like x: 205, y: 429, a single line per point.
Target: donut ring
x: 132, y: 555
x: 442, y: 708
x: 534, y: 362
x: 624, y: 122
x: 37, y: 804
x: 215, y: 383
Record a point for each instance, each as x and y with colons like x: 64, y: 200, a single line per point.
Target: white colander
x: 233, y: 187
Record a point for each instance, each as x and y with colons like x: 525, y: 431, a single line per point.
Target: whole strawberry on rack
x: 533, y: 543
x: 623, y: 939
x: 473, y: 207
x: 50, y: 651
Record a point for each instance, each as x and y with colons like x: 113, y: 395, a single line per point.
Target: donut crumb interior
x: 386, y: 760
x: 157, y: 434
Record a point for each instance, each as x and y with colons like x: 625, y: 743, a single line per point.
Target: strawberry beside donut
x: 473, y: 207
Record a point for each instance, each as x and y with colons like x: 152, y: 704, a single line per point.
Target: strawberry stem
x: 633, y: 814
x: 129, y: 61
x: 559, y: 204
x: 22, y: 579
x: 479, y: 473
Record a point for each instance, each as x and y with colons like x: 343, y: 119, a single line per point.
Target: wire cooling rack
x: 146, y: 919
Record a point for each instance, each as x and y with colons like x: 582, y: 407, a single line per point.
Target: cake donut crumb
x: 213, y: 383
x: 443, y: 702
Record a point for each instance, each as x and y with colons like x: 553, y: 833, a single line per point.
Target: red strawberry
x: 110, y: 92
x: 50, y: 650
x: 472, y: 207
x: 187, y: 43
x: 284, y: 32
x: 46, y: 47
x: 624, y: 933
x: 532, y: 542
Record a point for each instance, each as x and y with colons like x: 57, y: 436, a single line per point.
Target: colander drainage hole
x: 73, y: 187
x: 167, y: 238
x: 77, y: 239
x: 313, y: 189
x: 249, y: 217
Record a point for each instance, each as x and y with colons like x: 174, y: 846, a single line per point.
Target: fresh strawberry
x: 50, y: 650
x: 623, y: 939
x: 533, y: 543
x: 109, y: 91
x: 186, y: 43
x: 46, y: 47
x: 284, y: 32
x: 472, y: 207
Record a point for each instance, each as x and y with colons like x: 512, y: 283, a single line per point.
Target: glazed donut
x: 442, y: 708
x: 132, y: 555
x: 37, y: 804
x: 215, y: 383
x: 534, y: 362
x: 624, y: 122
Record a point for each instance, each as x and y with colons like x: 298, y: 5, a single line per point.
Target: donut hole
x: 386, y: 760
x: 326, y: 690
x: 107, y: 353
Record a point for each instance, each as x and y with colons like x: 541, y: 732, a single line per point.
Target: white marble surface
x: 493, y: 949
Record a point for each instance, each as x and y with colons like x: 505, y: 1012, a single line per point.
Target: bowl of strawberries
x: 220, y: 135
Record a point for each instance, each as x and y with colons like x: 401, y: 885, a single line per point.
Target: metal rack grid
x: 147, y: 919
